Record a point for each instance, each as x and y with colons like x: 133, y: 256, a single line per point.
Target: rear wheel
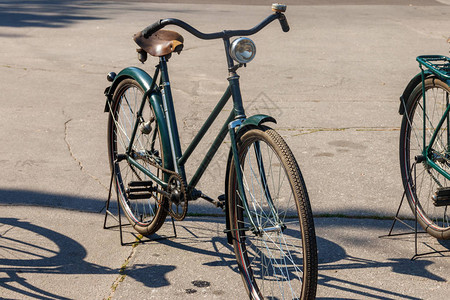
x: 144, y: 207
x: 278, y: 257
x: 420, y: 180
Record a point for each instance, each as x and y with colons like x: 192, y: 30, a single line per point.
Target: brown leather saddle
x: 161, y: 43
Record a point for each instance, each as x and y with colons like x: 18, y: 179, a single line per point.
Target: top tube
x: 209, y: 36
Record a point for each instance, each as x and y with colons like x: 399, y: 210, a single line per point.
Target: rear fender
x: 409, y: 88
x: 155, y: 98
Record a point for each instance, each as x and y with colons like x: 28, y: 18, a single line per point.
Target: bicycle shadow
x: 68, y: 257
x: 34, y: 198
x: 331, y: 257
x: 63, y: 255
x: 28, y: 251
x: 41, y: 13
x: 55, y: 254
x: 219, y: 246
x: 445, y: 244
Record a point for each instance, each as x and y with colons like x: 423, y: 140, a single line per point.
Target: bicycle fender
x: 137, y: 74
x: 155, y: 98
x: 409, y: 88
x: 255, y: 121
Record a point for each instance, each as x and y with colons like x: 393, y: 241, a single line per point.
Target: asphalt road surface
x: 333, y: 84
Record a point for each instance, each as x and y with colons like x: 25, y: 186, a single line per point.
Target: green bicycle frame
x: 160, y: 98
x: 178, y: 158
x: 175, y: 155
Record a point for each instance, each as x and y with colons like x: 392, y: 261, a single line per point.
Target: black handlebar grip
x: 284, y: 23
x: 149, y: 30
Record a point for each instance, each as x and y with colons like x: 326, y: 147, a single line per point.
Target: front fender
x: 255, y: 121
x: 155, y: 98
x: 409, y: 88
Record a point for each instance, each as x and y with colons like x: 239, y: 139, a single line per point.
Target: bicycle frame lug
x: 236, y: 123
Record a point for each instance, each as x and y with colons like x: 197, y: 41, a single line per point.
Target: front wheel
x: 277, y: 257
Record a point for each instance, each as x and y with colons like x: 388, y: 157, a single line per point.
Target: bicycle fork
x: 257, y: 230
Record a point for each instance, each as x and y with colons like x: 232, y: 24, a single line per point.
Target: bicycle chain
x: 435, y: 179
x: 183, y: 202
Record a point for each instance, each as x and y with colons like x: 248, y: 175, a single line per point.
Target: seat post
x: 171, y: 120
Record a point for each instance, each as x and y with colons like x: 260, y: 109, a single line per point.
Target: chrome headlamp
x: 242, y: 50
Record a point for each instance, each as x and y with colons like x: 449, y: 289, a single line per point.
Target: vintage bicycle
x: 268, y: 214
x: 425, y: 144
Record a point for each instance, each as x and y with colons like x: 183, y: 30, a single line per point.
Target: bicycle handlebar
x: 284, y: 23
x: 149, y: 30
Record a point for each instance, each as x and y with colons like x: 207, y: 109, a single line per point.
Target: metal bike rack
x: 119, y: 219
x: 414, y: 230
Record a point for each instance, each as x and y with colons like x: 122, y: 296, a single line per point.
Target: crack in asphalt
x: 71, y: 153
x: 122, y: 271
x: 8, y: 229
x: 303, y: 131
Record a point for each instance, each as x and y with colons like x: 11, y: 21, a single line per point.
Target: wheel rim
x: 272, y: 260
x: 422, y: 180
x: 146, y: 150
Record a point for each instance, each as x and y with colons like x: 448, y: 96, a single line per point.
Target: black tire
x: 295, y: 274
x: 147, y: 214
x: 420, y: 180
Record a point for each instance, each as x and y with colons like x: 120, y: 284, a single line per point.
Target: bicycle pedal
x: 221, y: 202
x: 441, y: 197
x: 140, y: 183
x: 139, y: 196
x: 140, y: 190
